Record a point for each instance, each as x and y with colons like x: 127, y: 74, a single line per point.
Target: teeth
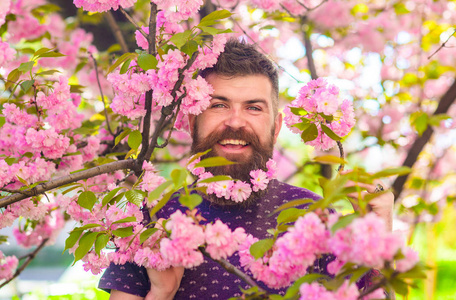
x: 233, y: 142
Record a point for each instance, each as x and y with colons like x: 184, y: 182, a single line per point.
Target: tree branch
x: 101, y: 94
x: 29, y: 257
x: 148, y: 101
x: 55, y: 183
x: 116, y: 31
x: 441, y: 46
x: 233, y: 270
x: 420, y: 142
x: 168, y: 110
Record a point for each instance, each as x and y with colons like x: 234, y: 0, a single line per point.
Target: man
x: 242, y: 124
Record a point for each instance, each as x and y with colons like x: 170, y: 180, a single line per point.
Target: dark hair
x: 241, y: 59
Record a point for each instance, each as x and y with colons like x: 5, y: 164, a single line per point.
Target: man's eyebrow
x: 252, y: 101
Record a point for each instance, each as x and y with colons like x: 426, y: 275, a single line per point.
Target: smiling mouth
x: 233, y: 143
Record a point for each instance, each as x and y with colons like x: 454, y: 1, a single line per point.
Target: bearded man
x: 241, y: 124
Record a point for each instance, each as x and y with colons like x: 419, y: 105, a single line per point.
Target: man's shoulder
x: 291, y: 192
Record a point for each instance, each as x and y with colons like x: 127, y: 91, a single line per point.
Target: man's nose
x: 235, y: 119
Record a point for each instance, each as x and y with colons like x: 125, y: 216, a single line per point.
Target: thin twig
x: 30, y: 257
x: 102, y: 96
x: 443, y: 45
x: 116, y: 31
x: 309, y: 51
x: 233, y: 270
x: 341, y: 154
x: 55, y: 183
x: 133, y: 22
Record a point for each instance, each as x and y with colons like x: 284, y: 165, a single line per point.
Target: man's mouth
x: 232, y: 143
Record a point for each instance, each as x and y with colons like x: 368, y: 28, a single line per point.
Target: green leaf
x: 85, y: 244
x: 158, y: 191
x: 299, y: 111
x: 70, y: 189
x: 421, y: 123
x: 10, y: 161
x: 436, y: 119
x: 344, y: 221
x: 76, y: 88
x: 125, y: 220
x: 290, y: 215
x: 2, y: 121
x: 147, y: 61
x: 178, y: 176
x: 109, y: 196
x: 123, y: 232
x: 179, y: 39
x: 293, y: 203
x: 210, y: 30
x: 134, y: 139
x: 310, y: 134
x: 391, y: 172
x: 399, y: 286
x: 26, y: 67
x: 121, y: 59
x: 52, y: 54
x: 48, y: 72
x: 214, y: 162
x: 130, y: 153
x: 121, y: 136
x: 23, y: 181
x: 330, y: 133
x: 215, y: 178
x: 147, y: 234
x: 41, y: 51
x: 13, y: 76
x: 197, y: 155
x: 125, y: 66
x: 191, y: 201
x: 330, y: 159
x: 101, y: 242
x: 293, y: 290
x: 87, y: 200
x: 302, y: 126
x: 259, y: 248
x: 26, y: 85
x: 114, y: 48
x: 213, y: 17
x: 134, y: 196
x: 190, y: 47
x: 72, y: 239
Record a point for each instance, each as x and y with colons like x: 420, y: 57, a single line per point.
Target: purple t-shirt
x: 210, y: 280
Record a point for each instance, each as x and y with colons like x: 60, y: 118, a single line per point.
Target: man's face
x: 239, y: 124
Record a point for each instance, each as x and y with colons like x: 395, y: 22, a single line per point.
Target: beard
x: 244, y: 163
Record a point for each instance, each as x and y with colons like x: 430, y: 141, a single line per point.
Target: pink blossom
x: 347, y: 291
x: 198, y: 95
x: 181, y: 248
x: 272, y: 169
x: 240, y: 191
x: 17, y: 116
x: 268, y: 5
x: 314, y: 291
x: 259, y: 180
x: 4, y: 9
x: 6, y: 52
x: 95, y: 263
x: 8, y: 265
x: 219, y: 240
x: 409, y: 261
x: 195, y: 171
x: 221, y: 189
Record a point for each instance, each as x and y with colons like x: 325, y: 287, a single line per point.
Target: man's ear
x: 278, y: 126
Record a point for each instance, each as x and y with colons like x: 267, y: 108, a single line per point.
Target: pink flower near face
x: 240, y: 191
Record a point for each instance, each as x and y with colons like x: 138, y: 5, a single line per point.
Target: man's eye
x: 254, y: 108
x: 218, y: 105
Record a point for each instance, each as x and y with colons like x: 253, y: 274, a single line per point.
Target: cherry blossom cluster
x: 6, y: 53
x: 320, y: 104
x: 364, y: 242
x: 346, y: 291
x: 103, y: 5
x: 8, y: 265
x: 236, y: 190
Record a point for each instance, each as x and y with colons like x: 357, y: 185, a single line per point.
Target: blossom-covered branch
x: 55, y: 183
